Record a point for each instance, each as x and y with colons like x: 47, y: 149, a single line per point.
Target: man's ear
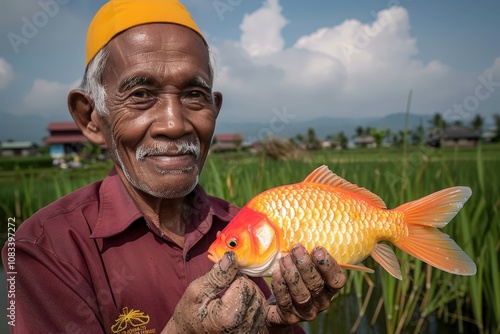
x: 81, y: 107
x: 217, y: 101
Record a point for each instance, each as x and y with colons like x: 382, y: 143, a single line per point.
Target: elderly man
x: 129, y: 254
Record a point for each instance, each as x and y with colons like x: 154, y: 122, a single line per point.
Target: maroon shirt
x: 91, y: 263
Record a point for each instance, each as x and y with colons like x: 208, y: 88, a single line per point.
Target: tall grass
x: 24, y: 191
x: 374, y: 303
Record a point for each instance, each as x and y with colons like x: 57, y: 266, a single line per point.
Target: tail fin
x: 425, y: 241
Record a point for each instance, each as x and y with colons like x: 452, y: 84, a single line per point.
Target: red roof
x: 63, y: 126
x: 65, y: 133
x: 228, y: 137
x: 66, y: 139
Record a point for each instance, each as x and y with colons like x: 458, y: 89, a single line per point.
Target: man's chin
x: 170, y: 185
x: 170, y: 165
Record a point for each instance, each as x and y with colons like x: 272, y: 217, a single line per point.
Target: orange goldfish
x: 350, y: 222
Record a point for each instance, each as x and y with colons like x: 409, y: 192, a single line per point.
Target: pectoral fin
x: 358, y: 267
x: 386, y: 257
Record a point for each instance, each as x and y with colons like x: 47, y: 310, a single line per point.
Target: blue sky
x: 318, y: 58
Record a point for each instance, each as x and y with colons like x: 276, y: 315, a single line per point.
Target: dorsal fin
x: 323, y: 175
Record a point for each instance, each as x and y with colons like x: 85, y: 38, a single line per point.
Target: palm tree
x: 496, y: 118
x: 300, y: 138
x: 342, y: 139
x: 477, y: 123
x: 437, y: 130
x: 311, y: 140
x: 359, y: 131
x: 398, y: 138
x: 437, y: 122
x: 418, y: 135
x: 380, y: 135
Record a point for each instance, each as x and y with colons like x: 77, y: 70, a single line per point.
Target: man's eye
x: 140, y: 94
x: 195, y: 95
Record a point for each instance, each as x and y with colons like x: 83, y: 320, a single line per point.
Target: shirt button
x: 188, y: 256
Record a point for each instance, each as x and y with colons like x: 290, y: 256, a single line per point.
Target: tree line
x: 416, y: 136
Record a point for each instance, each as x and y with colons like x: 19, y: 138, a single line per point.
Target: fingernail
x: 287, y: 261
x: 299, y: 252
x: 319, y: 254
x: 226, y: 261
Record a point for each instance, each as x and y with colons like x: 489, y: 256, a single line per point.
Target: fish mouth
x: 212, y: 257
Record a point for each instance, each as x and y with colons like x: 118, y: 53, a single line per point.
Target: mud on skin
x: 257, y: 323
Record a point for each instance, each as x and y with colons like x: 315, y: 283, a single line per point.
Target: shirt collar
x: 117, y: 210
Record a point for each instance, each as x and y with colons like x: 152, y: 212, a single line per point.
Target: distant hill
x: 34, y: 128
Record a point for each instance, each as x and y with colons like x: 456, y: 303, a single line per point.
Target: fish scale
x: 332, y: 218
x: 350, y: 222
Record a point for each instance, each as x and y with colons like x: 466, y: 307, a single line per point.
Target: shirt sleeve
x: 264, y: 287
x: 47, y: 294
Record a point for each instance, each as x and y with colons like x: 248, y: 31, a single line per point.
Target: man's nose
x: 170, y: 119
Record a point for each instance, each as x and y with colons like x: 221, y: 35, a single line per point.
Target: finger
x: 294, y: 302
x: 280, y: 310
x: 313, y: 281
x: 281, y: 295
x: 239, y: 310
x: 329, y: 269
x: 307, y: 269
x: 221, y: 275
x: 299, y: 292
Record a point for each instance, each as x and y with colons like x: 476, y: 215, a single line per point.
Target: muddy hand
x: 220, y: 301
x: 303, y: 286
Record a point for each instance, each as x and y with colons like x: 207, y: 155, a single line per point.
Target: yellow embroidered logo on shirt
x: 137, y: 321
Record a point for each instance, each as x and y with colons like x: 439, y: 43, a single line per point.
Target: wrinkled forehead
x: 158, y: 36
x: 157, y: 43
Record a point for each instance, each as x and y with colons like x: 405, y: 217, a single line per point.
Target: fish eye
x: 232, y: 243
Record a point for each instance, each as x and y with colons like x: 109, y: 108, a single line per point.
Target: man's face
x: 161, y: 109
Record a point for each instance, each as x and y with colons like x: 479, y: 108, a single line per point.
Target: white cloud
x: 48, y: 97
x: 353, y: 69
x: 262, y: 30
x: 6, y: 73
x: 386, y: 40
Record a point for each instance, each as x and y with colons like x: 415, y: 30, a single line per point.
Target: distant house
x: 65, y: 138
x: 460, y: 136
x: 365, y: 141
x: 490, y: 134
x: 18, y: 148
x: 454, y: 136
x: 227, y: 142
x: 330, y: 144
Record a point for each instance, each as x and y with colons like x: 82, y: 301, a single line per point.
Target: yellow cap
x: 119, y: 15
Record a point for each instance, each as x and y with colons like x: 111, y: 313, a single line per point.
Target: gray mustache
x: 178, y: 147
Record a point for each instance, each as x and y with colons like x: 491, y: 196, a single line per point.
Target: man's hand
x: 303, y: 286
x: 221, y: 301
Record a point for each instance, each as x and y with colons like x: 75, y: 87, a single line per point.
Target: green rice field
x: 427, y: 300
